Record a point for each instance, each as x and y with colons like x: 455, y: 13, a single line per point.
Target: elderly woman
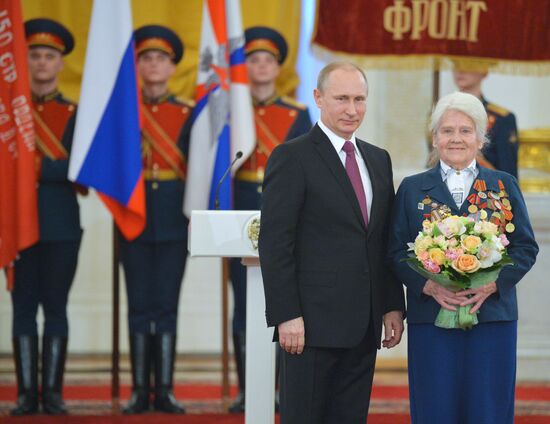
x: 457, y: 376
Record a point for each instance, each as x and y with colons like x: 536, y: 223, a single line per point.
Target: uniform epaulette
x: 70, y: 104
x: 186, y: 102
x: 293, y: 102
x: 499, y: 110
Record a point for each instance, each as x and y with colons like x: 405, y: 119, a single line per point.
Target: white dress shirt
x: 460, y: 181
x: 338, y: 144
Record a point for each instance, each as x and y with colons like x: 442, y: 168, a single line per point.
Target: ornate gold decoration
x: 534, y: 160
x: 253, y: 231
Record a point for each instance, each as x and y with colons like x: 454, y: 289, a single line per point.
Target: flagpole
x: 435, y: 81
x: 115, y: 356
x: 225, y: 335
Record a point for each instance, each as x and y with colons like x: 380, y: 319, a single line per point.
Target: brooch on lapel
x: 437, y: 212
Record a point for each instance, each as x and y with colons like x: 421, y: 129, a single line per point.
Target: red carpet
x: 90, y: 404
x: 210, y: 419
x: 211, y: 391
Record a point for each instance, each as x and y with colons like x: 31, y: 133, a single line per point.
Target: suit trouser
x: 154, y: 273
x: 44, y: 275
x: 328, y: 385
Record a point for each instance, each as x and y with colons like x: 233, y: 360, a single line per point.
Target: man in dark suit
x: 323, y: 236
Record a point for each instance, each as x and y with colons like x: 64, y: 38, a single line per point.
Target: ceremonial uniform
x: 446, y: 365
x: 277, y: 120
x: 502, y: 151
x: 154, y: 263
x: 44, y: 272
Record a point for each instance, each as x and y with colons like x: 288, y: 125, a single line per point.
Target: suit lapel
x: 332, y: 160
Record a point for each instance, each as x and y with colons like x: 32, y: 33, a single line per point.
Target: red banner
x: 489, y: 31
x: 18, y: 203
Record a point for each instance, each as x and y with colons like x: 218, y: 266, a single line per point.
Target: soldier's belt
x: 250, y: 176
x: 159, y: 174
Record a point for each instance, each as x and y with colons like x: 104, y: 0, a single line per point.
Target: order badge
x: 253, y: 230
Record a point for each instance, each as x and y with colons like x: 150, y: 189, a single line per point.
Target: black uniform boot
x: 25, y: 355
x: 140, y: 358
x: 165, y: 351
x: 239, y: 346
x: 54, y: 353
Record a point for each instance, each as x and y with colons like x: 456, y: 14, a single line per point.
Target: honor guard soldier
x: 502, y: 151
x: 44, y: 272
x: 154, y: 263
x: 278, y: 119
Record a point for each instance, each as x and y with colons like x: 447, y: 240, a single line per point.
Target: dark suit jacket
x: 407, y: 222
x: 317, y: 259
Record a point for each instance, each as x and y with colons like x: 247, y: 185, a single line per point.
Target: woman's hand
x: 445, y: 297
x: 478, y: 295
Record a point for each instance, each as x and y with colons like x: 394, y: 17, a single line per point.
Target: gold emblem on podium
x: 253, y: 231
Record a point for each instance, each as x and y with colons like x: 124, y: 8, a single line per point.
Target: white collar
x: 336, y: 140
x: 446, y: 168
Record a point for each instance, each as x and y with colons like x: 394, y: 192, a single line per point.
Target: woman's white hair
x: 466, y: 103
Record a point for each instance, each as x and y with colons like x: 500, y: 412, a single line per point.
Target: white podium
x: 231, y: 234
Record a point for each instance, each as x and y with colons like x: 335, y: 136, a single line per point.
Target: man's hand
x: 393, y: 329
x: 292, y: 335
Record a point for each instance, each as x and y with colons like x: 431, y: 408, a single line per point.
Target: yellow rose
x: 466, y: 264
x: 485, y: 227
x: 437, y: 255
x: 471, y: 243
x: 422, y: 244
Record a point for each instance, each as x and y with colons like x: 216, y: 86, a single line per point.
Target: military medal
x: 479, y: 185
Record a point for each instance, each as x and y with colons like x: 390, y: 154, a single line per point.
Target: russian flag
x: 106, y: 151
x: 223, y: 119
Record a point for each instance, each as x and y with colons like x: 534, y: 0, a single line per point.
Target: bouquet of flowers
x: 459, y: 253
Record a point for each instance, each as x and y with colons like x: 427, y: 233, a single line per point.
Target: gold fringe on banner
x: 435, y: 62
